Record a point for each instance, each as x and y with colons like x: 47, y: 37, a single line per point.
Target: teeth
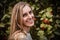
x: 30, y: 21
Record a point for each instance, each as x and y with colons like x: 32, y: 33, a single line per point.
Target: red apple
x: 46, y: 21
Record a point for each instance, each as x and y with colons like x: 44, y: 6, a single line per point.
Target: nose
x: 29, y: 16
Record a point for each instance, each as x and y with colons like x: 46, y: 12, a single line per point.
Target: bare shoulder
x: 19, y: 35
x: 15, y: 33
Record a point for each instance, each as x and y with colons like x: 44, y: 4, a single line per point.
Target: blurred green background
x: 48, y: 29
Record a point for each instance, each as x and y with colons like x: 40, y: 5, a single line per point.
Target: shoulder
x: 19, y: 35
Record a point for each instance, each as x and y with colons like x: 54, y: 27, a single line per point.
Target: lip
x: 30, y: 22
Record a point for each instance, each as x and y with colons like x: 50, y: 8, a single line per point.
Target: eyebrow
x: 24, y: 14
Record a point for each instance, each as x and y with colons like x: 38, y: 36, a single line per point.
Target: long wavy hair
x: 16, y: 17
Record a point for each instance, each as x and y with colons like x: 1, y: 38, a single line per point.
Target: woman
x: 22, y: 20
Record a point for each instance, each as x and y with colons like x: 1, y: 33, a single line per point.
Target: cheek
x: 24, y: 19
x: 32, y: 15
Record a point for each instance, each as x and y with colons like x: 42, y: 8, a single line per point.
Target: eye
x: 25, y: 14
x: 30, y: 12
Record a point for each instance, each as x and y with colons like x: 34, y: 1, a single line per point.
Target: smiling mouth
x: 30, y: 21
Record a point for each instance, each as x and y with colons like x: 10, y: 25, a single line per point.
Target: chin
x: 30, y: 25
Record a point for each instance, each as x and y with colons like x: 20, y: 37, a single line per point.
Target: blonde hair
x: 16, y: 17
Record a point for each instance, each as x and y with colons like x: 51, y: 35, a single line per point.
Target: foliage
x: 47, y: 22
x: 45, y: 30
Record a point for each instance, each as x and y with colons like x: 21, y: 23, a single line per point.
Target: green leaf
x: 2, y: 24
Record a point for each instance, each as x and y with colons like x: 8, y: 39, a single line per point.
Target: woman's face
x: 28, y: 16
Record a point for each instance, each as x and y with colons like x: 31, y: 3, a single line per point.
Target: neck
x: 26, y: 29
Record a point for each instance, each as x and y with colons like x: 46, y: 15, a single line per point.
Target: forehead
x: 26, y: 9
